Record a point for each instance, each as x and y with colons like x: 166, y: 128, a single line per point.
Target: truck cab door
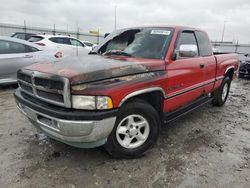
x: 185, y: 73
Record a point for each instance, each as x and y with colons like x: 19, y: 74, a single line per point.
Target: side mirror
x: 188, y: 50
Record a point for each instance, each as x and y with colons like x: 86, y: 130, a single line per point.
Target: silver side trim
x: 219, y: 78
x: 148, y: 90
x: 142, y: 91
x: 231, y: 67
x: 179, y: 92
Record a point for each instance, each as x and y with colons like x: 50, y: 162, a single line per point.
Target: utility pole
x: 67, y: 29
x: 98, y: 35
x: 223, y: 31
x: 236, y: 46
x: 115, y: 16
x: 24, y: 26
x: 77, y: 30
x: 54, y: 29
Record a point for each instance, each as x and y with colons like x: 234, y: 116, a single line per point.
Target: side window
x: 4, y: 47
x: 53, y: 39
x: 75, y: 42
x: 88, y: 44
x: 35, y: 38
x: 186, y: 40
x: 203, y: 43
x: 60, y: 40
x: 19, y: 36
x: 31, y: 49
x: 8, y: 47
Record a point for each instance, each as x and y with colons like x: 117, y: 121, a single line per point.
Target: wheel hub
x: 224, y: 92
x: 132, y: 131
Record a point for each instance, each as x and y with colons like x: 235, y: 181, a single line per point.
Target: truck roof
x: 178, y: 27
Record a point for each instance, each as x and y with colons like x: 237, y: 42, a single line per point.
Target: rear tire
x: 135, y: 131
x: 221, y: 94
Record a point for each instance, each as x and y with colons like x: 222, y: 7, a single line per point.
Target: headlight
x: 91, y: 102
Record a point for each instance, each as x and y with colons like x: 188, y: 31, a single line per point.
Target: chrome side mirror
x: 188, y: 50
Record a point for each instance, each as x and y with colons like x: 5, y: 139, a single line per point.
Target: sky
x: 210, y: 15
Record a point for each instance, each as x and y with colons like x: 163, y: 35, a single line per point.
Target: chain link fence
x: 8, y: 29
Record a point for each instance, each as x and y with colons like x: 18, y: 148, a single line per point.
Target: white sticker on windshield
x: 160, y: 32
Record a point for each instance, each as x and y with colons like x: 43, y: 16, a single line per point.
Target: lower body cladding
x: 77, y: 133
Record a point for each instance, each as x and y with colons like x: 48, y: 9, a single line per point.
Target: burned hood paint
x: 96, y: 67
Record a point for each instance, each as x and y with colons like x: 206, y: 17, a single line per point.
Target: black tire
x: 218, y: 98
x: 140, y: 108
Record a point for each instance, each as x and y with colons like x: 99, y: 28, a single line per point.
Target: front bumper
x: 84, y: 129
x: 244, y: 73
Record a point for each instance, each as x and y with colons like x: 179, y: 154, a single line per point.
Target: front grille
x: 50, y: 84
x: 24, y: 77
x: 26, y: 87
x: 52, y: 89
x: 51, y: 96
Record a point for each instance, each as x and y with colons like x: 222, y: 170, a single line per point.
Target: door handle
x: 28, y: 56
x: 202, y: 66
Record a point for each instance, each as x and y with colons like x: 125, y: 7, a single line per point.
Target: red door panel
x: 184, y: 82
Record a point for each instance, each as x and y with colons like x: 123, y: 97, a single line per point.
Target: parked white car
x: 17, y: 53
x: 68, y: 46
x: 89, y: 45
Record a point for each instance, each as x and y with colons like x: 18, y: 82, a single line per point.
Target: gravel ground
x: 208, y: 148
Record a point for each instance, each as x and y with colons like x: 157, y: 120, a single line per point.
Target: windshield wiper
x: 117, y: 52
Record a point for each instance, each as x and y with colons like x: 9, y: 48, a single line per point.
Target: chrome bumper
x: 84, y: 134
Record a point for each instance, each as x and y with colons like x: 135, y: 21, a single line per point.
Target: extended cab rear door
x: 185, y: 74
x: 209, y: 62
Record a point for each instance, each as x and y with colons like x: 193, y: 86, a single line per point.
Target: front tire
x: 135, y: 131
x: 221, y: 94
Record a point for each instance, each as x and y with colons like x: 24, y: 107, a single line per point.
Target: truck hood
x: 92, y: 68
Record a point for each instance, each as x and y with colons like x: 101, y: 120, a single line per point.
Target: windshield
x: 149, y: 43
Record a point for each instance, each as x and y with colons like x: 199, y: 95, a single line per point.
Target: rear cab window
x: 204, y: 44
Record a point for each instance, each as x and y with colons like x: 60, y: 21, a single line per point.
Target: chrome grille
x: 46, y: 87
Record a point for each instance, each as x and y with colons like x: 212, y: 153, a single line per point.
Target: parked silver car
x: 16, y: 53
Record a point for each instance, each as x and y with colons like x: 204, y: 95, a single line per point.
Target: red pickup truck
x: 122, y: 93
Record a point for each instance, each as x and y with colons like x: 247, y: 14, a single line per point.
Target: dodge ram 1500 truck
x: 122, y: 93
